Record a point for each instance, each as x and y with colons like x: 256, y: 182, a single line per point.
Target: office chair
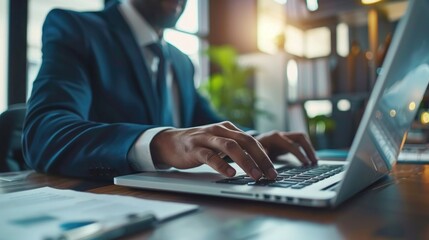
x: 11, y: 123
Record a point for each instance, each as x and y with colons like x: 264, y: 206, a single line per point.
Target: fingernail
x: 230, y: 172
x: 272, y: 173
x: 256, y: 174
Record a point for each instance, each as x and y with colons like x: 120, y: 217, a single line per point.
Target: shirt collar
x: 141, y: 29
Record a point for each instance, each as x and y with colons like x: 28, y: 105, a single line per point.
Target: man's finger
x: 251, y: 146
x: 231, y: 148
x: 214, y: 160
x: 281, y: 141
x: 303, y: 142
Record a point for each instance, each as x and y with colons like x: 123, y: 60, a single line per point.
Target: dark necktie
x: 164, y: 97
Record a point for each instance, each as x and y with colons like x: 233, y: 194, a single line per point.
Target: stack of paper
x: 46, y: 213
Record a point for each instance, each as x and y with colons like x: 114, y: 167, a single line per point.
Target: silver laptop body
x: 391, y: 108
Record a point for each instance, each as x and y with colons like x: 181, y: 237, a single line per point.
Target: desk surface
x: 395, y: 208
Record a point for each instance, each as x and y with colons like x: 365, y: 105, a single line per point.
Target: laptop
x: 392, y: 106
x: 414, y: 153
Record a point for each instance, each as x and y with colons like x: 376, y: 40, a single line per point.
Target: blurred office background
x: 314, y: 61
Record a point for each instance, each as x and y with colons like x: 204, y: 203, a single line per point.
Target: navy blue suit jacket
x: 93, y: 98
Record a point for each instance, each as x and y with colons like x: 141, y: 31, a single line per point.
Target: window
x: 37, y: 11
x: 312, y: 43
x: 292, y: 77
x: 270, y: 25
x: 295, y: 41
x: 4, y: 14
x: 317, y: 42
x: 188, y: 36
x: 343, y: 39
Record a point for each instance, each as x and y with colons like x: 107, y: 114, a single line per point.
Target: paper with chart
x: 43, y: 212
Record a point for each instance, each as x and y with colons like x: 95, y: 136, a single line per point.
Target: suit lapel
x: 124, y: 35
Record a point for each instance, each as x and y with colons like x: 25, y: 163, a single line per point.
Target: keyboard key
x: 292, y: 180
x: 287, y: 174
x: 238, y: 181
x: 261, y: 182
x: 299, y: 177
x: 312, y: 181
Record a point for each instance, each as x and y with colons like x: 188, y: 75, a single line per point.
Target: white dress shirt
x: 140, y: 156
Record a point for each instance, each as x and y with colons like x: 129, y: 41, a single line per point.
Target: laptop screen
x: 394, y: 101
x: 399, y: 89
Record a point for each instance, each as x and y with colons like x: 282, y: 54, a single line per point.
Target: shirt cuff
x: 139, y: 156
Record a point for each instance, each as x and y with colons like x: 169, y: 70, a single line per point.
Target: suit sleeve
x: 58, y: 138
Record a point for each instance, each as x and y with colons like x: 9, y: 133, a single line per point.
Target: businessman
x: 113, y: 98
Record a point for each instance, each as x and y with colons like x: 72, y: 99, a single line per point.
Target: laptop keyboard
x: 290, y: 177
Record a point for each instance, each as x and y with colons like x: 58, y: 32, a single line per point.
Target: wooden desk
x: 395, y: 208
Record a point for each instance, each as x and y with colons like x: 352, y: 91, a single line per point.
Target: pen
x: 110, y: 229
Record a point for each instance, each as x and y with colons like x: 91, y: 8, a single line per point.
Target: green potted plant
x: 320, y: 130
x: 230, y: 87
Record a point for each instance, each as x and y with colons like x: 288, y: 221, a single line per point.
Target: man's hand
x: 277, y: 143
x: 192, y: 147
